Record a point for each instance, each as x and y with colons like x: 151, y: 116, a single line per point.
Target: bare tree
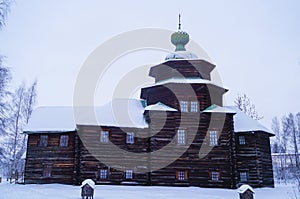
x: 290, y: 128
x: 21, y: 107
x: 29, y: 103
x: 30, y: 100
x: 5, y: 77
x: 277, y: 147
x: 14, y: 136
x: 4, y: 9
x: 244, y: 104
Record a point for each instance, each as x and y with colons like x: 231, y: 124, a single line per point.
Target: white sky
x: 255, y: 44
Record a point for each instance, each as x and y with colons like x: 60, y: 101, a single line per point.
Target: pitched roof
x: 51, y: 119
x: 244, y: 123
x: 218, y: 109
x: 118, y: 113
x: 159, y: 107
x: 90, y: 182
x: 189, y: 80
x: 244, y: 188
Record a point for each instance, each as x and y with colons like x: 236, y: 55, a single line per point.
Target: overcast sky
x: 255, y: 44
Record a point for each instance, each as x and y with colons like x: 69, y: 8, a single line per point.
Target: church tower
x: 181, y: 103
x: 183, y: 81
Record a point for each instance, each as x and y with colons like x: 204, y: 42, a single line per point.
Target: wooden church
x: 179, y: 134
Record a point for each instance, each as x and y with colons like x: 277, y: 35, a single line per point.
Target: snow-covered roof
x: 218, y: 109
x: 118, y: 113
x: 244, y: 188
x: 90, y: 182
x: 244, y: 123
x: 51, y: 119
x: 181, y: 55
x: 159, y: 107
x: 184, y: 80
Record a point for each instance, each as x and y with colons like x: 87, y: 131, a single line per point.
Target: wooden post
x: 246, y: 192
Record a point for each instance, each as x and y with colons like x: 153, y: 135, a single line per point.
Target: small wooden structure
x: 87, y: 189
x: 246, y: 192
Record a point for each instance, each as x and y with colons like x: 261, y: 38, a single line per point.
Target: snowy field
x: 56, y: 191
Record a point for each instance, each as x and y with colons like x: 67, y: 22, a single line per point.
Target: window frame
x: 194, y: 106
x: 47, y: 171
x: 213, y: 138
x: 184, y: 106
x: 181, y: 136
x: 104, y: 136
x: 64, y: 141
x: 242, y: 140
x: 43, y: 142
x: 130, y: 138
x: 215, y: 175
x: 102, y: 172
x: 128, y: 174
x: 181, y: 175
x: 245, y: 177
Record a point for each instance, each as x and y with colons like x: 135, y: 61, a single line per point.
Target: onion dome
x: 179, y: 39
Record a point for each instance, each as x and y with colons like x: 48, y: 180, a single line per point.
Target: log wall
x: 254, y: 157
x: 60, y: 159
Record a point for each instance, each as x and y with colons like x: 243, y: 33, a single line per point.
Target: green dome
x: 180, y: 39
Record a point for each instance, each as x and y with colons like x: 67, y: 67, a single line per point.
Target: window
x: 244, y: 176
x: 215, y: 175
x: 181, y: 175
x: 181, y: 136
x: 194, y: 106
x: 103, y: 174
x: 128, y: 174
x: 130, y: 138
x: 104, y: 136
x: 213, y: 138
x: 64, y: 139
x: 242, y: 140
x: 43, y: 140
x: 47, y: 170
x: 184, y: 106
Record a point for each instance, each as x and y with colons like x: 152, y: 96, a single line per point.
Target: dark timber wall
x: 254, y: 157
x: 61, y: 159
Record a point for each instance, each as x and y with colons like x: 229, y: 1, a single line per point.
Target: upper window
x: 244, y: 176
x: 104, y: 136
x: 242, y: 140
x: 184, y: 106
x: 181, y: 175
x: 128, y: 174
x: 213, y: 138
x: 130, y: 138
x: 47, y: 170
x: 181, y: 136
x: 44, y: 140
x: 215, y: 175
x: 64, y: 139
x: 194, y: 106
x: 103, y: 173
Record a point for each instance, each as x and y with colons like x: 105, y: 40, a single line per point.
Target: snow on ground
x: 55, y: 191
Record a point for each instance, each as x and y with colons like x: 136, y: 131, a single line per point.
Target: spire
x: 179, y: 24
x: 180, y: 38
